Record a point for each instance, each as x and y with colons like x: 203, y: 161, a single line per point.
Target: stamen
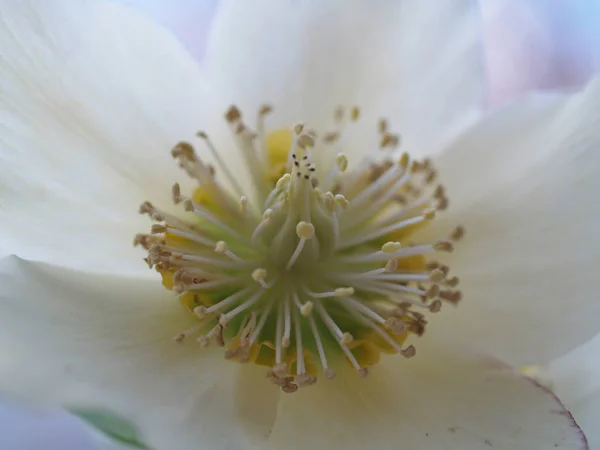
x: 329, y: 374
x: 304, y: 231
x: 317, y: 230
x: 232, y: 179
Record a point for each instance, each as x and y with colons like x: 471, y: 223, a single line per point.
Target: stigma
x: 312, y: 269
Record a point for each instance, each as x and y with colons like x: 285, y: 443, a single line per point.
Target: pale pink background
x: 530, y: 44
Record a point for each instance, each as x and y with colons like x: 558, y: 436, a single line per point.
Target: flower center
x: 317, y: 268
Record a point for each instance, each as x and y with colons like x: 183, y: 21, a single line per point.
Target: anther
x: 329, y: 374
x: 342, y: 201
x: 429, y: 214
x: 280, y: 370
x: 457, y: 234
x: 306, y: 308
x: 344, y: 291
x: 305, y: 230
x: 355, y: 113
x: 342, y: 162
x: 436, y: 275
x: 404, y: 160
x: 265, y: 109
x: 391, y: 247
x: 443, y: 246
x: 452, y: 282
x: 176, y: 194
x: 432, y: 291
x: 409, y: 352
x: 259, y: 275
x: 158, y: 229
x: 200, y: 311
x: 363, y: 372
x: 233, y: 114
x: 305, y: 379
x: 347, y: 338
x: 221, y: 247
x: 298, y: 128
x: 391, y: 265
x: 306, y: 140
x: 435, y: 306
x: 382, y: 126
x: 188, y: 205
x: 396, y: 325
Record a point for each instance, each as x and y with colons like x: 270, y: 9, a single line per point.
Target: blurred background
x: 529, y: 45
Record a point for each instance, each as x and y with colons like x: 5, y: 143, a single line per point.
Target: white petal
x: 93, y: 98
x: 575, y: 377
x: 441, y: 399
x: 419, y: 65
x: 81, y: 339
x: 525, y: 185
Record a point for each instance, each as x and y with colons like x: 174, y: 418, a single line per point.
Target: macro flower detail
x: 319, y: 265
x: 94, y: 96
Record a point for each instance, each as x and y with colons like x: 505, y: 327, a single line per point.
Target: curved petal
x: 88, y: 340
x: 576, y: 378
x: 438, y: 400
x: 525, y: 184
x: 93, y: 98
x: 418, y: 65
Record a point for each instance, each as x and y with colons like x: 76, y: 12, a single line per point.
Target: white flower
x: 575, y: 377
x: 93, y: 97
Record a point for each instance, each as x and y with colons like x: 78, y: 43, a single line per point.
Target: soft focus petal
x: 93, y: 97
x: 524, y: 183
x: 189, y: 20
x: 539, y: 45
x: 417, y: 64
x: 441, y: 399
x: 575, y: 377
x: 81, y: 339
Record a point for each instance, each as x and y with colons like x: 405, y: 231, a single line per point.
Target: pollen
x: 313, y: 269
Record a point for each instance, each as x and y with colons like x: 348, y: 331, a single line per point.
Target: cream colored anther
x: 305, y: 230
x: 267, y: 215
x: 342, y: 162
x: 307, y: 308
x: 346, y: 338
x: 391, y: 265
x: 342, y: 201
x: 259, y: 274
x: 391, y: 247
x: 282, y: 181
x: 221, y: 247
x: 344, y: 291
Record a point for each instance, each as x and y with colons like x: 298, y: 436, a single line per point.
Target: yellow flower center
x: 316, y: 268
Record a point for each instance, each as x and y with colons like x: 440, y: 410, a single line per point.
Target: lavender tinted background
x: 530, y: 44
